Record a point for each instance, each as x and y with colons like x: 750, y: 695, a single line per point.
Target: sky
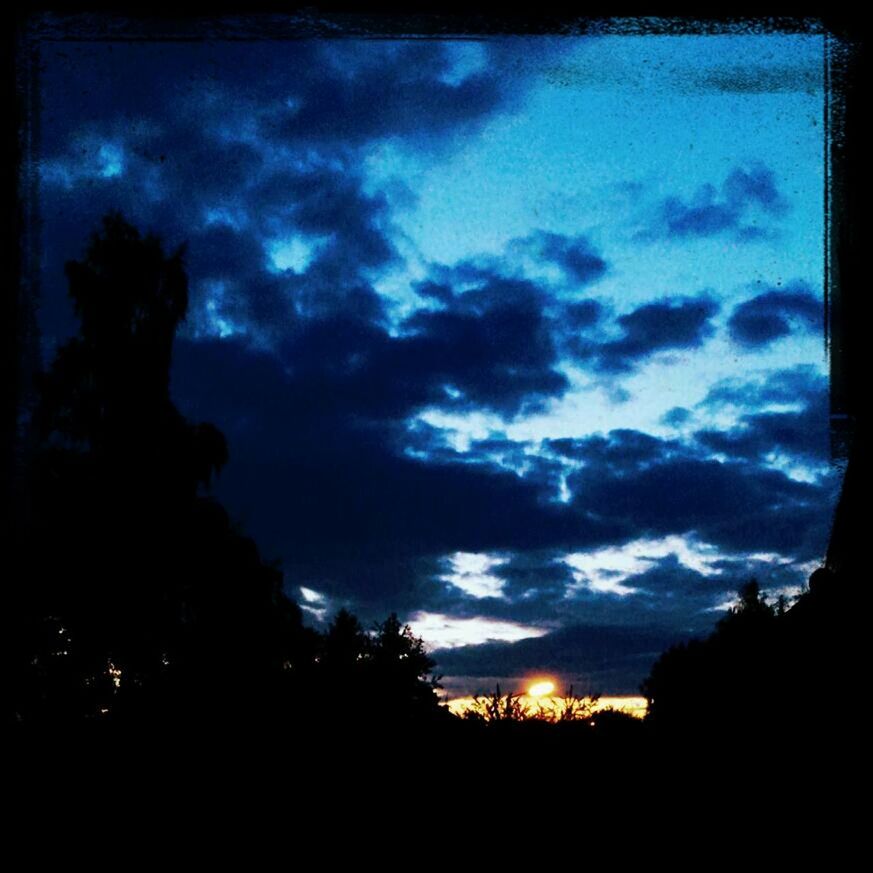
x: 519, y: 337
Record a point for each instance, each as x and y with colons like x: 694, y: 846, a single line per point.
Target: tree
x: 401, y: 670
x: 135, y: 592
x: 381, y: 676
x: 726, y: 683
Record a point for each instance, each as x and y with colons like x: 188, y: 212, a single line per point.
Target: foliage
x: 500, y: 708
x: 740, y: 677
x: 135, y: 593
x: 496, y: 707
x: 383, y: 674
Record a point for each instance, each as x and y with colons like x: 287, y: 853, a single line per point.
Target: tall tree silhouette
x: 402, y: 678
x: 136, y: 594
x: 725, y: 683
x: 381, y: 676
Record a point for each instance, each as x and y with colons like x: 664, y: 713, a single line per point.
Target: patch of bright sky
x: 448, y: 632
x: 291, y: 253
x: 676, y: 378
x: 231, y: 216
x: 310, y: 595
x: 789, y: 592
x: 470, y: 573
x: 210, y: 321
x: 610, y: 130
x: 604, y: 570
x: 111, y: 160
x: 314, y: 602
x: 97, y: 159
x: 562, y: 161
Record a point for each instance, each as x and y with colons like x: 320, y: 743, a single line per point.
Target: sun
x: 541, y: 689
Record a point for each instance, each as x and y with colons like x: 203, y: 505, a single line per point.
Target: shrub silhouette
x: 497, y: 708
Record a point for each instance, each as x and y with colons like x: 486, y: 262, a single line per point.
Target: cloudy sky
x: 519, y: 337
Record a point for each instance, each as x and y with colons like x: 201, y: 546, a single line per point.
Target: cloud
x: 800, y: 434
x: 168, y: 136
x: 494, y: 344
x: 327, y: 201
x: 713, y: 212
x: 319, y: 473
x: 577, y: 257
x: 803, y: 384
x: 669, y: 323
x: 676, y: 417
x: 580, y: 652
x: 581, y: 314
x: 470, y: 573
x: 392, y: 90
x: 734, y: 505
x: 761, y: 79
x: 758, y: 322
x: 318, y: 467
x: 622, y: 449
x: 472, y: 549
x: 450, y: 632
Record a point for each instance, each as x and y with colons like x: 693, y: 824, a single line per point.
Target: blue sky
x: 520, y: 337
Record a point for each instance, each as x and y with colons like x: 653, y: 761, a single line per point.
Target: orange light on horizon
x: 631, y: 705
x: 541, y: 688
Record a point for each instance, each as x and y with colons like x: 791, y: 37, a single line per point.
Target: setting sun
x: 541, y: 689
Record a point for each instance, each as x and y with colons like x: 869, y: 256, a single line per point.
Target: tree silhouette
x: 766, y: 669
x: 135, y: 593
x: 400, y: 671
x: 719, y: 683
x: 378, y: 677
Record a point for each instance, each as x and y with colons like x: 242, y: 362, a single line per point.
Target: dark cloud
x: 319, y: 473
x: 576, y: 256
x: 762, y: 80
x: 802, y: 384
x: 393, y: 90
x: 677, y: 416
x: 712, y: 212
x: 769, y: 316
x: 623, y: 450
x: 327, y: 201
x: 219, y: 250
x: 488, y: 348
x: 581, y: 314
x: 494, y: 344
x: 670, y: 323
x: 168, y: 134
x: 735, y: 505
x: 581, y: 652
x: 802, y: 435
x: 326, y: 92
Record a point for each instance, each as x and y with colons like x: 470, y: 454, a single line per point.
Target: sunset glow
x: 541, y: 689
x: 532, y: 703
